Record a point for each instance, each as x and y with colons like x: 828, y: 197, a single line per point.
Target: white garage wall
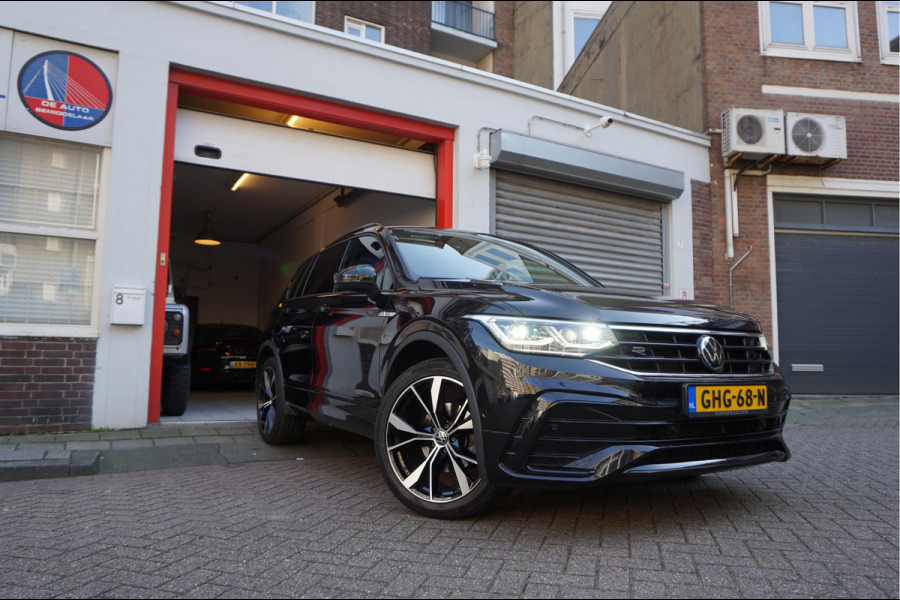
x: 150, y: 36
x: 223, y: 278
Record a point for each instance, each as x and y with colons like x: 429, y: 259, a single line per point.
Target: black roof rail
x: 363, y: 228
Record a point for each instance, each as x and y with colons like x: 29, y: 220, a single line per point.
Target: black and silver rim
x: 265, y: 400
x: 430, y: 439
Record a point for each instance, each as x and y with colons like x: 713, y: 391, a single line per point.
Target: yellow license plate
x: 243, y: 364
x: 718, y: 399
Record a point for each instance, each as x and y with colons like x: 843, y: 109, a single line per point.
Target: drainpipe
x: 729, y: 224
x: 730, y: 285
x: 732, y: 225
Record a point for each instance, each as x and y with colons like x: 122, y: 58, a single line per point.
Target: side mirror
x: 359, y: 278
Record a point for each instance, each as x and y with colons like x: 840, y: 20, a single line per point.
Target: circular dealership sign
x: 65, y: 90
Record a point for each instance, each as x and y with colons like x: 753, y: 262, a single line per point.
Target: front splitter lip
x: 633, y: 463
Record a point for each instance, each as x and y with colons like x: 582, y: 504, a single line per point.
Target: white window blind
x: 48, y: 219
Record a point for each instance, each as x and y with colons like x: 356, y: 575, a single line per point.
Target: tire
x: 432, y: 469
x: 176, y: 389
x: 276, y: 427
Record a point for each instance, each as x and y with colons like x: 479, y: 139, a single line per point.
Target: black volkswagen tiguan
x: 478, y: 363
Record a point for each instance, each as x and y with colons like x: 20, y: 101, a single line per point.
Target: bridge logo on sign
x: 65, y: 90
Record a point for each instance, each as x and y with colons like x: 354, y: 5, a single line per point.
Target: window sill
x: 835, y: 56
x: 43, y: 330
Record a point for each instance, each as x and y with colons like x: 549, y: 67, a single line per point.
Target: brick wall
x: 46, y: 384
x: 703, y: 243
x: 406, y: 24
x: 734, y: 72
x: 504, y: 28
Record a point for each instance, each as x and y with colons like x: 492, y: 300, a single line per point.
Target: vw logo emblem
x: 711, y: 353
x: 441, y: 438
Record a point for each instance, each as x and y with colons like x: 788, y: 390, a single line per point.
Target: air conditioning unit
x: 816, y: 138
x: 752, y: 132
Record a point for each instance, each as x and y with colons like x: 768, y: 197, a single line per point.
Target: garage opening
x: 271, y: 188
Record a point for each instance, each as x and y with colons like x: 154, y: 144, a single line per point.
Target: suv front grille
x: 664, y: 351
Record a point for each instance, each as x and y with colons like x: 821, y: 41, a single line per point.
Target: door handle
x: 325, y: 309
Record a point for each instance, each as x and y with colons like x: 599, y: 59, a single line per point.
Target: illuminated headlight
x: 543, y: 336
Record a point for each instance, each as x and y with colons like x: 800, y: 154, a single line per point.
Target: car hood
x: 606, y: 304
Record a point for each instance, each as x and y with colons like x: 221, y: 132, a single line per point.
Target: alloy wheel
x: 430, y: 440
x: 265, y: 400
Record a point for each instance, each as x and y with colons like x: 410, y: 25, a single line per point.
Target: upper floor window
x: 584, y: 27
x: 889, y: 31
x: 817, y: 30
x: 290, y: 9
x: 364, y: 29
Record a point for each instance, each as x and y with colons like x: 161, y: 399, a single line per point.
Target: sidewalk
x: 41, y: 456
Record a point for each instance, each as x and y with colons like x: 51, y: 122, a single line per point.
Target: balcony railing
x: 464, y: 17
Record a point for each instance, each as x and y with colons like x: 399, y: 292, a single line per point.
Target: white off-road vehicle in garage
x: 176, y: 378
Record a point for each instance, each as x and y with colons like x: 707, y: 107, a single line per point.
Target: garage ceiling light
x: 240, y: 181
x: 207, y: 237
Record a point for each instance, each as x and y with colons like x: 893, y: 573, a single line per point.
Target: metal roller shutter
x: 837, y: 313
x: 837, y: 278
x: 617, y: 239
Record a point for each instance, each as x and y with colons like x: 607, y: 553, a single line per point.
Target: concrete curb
x: 82, y: 462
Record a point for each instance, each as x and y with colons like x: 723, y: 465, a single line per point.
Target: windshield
x: 452, y: 255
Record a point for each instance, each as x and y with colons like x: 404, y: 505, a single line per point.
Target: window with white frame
x: 583, y: 28
x: 49, y: 193
x: 289, y: 9
x: 889, y: 31
x: 816, y: 30
x: 364, y: 29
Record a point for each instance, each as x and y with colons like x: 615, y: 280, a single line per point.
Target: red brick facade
x: 703, y: 242
x: 408, y: 25
x: 46, y: 384
x: 734, y: 71
x: 504, y: 21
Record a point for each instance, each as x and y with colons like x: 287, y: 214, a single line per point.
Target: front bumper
x: 582, y: 439
x: 551, y: 421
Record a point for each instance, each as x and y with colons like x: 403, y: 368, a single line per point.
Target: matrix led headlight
x: 545, y: 336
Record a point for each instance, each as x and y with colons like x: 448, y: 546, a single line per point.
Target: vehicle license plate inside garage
x: 719, y: 399
x: 243, y: 364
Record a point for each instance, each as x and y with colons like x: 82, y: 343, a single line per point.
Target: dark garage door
x: 838, y: 312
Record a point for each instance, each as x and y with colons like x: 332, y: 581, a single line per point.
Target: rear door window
x: 297, y: 283
x: 321, y: 279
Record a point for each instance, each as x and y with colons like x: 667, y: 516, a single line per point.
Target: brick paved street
x: 824, y: 524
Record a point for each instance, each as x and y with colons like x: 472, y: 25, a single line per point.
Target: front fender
x: 447, y: 341
x: 427, y: 331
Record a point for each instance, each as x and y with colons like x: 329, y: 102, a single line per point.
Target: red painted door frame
x: 242, y: 93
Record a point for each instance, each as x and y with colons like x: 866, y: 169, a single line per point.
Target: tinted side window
x: 296, y: 287
x: 321, y: 280
x: 368, y: 250
x: 365, y: 250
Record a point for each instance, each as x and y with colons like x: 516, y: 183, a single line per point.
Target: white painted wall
x: 224, y: 279
x: 151, y: 36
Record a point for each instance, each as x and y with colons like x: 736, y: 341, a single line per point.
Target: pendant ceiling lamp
x: 207, y: 237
